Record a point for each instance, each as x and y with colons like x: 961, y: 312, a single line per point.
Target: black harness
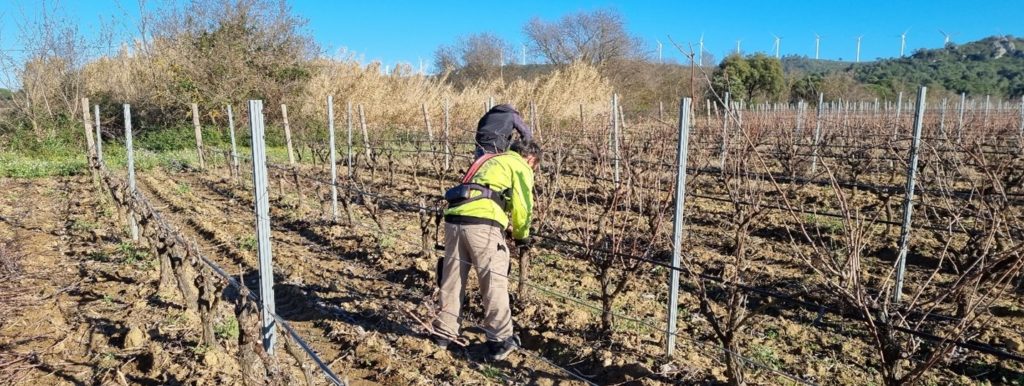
x: 463, y: 193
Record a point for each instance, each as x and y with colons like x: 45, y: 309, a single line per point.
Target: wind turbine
x: 817, y: 46
x: 778, y: 42
x: 903, y: 41
x: 738, y: 46
x: 945, y: 37
x: 524, y: 53
x: 858, y: 47
x: 659, y: 51
x: 700, y: 51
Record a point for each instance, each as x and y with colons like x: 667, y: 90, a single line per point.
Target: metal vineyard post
x: 130, y: 164
x: 677, y: 229
x: 908, y: 198
x: 262, y: 210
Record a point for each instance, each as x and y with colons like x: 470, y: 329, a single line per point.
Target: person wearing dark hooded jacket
x: 495, y: 129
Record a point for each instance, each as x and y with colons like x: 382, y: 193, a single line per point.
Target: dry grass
x: 395, y: 98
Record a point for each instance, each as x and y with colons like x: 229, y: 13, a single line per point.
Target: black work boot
x: 442, y: 342
x: 497, y: 351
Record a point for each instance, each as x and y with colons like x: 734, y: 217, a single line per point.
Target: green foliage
x: 174, y: 318
x: 24, y: 155
x: 794, y: 64
x: 991, y: 66
x: 491, y: 372
x: 830, y: 225
x: 765, y: 80
x: 227, y: 329
x: 17, y: 165
x: 766, y: 356
x: 83, y: 225
x: 179, y: 138
x: 131, y: 254
x: 99, y: 256
x: 247, y: 243
x: 183, y: 188
x: 752, y: 78
x: 805, y: 88
x: 385, y: 240
x: 199, y: 349
x: 731, y: 77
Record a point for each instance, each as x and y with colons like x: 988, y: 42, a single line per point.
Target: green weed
x: 248, y: 243
x: 491, y: 372
x: 227, y: 329
x: 385, y: 240
x: 16, y: 165
x: 199, y: 349
x: 546, y: 258
x: 130, y: 254
x: 766, y: 356
x: 829, y: 224
x: 107, y: 360
x: 184, y: 189
x: 174, y: 318
x: 82, y: 225
x: 99, y: 256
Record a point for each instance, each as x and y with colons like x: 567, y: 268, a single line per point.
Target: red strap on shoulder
x: 476, y: 166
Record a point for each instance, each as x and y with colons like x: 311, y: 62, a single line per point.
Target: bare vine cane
x: 425, y: 219
x: 523, y: 292
x: 439, y: 206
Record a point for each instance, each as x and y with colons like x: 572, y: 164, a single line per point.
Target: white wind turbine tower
x: 817, y: 46
x: 778, y: 42
x: 700, y: 51
x: 659, y: 50
x: 738, y: 46
x: 946, y: 38
x: 858, y: 47
x: 903, y: 41
x: 524, y: 53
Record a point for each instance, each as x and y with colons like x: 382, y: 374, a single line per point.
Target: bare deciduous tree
x: 596, y: 37
x: 472, y: 57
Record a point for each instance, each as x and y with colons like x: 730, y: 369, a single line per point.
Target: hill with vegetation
x: 991, y: 66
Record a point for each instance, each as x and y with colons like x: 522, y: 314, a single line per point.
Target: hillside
x: 796, y: 64
x: 991, y: 66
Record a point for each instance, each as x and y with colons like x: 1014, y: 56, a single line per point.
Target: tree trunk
x: 607, y: 298
x: 734, y: 365
x: 207, y: 304
x: 524, y: 274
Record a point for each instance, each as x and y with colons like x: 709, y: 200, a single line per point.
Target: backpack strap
x: 476, y: 166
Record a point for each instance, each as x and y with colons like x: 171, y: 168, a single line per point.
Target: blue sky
x: 409, y: 31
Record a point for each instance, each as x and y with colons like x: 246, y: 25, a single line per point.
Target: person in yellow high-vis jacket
x: 474, y: 237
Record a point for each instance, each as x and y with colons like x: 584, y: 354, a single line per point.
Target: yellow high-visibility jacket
x: 506, y: 171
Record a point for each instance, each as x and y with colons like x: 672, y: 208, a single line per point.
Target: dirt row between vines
x: 790, y: 339
x: 562, y: 331
x: 330, y: 285
x: 89, y: 310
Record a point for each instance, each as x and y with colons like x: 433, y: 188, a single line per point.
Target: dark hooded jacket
x: 494, y: 131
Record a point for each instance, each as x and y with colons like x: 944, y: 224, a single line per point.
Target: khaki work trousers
x: 482, y: 247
